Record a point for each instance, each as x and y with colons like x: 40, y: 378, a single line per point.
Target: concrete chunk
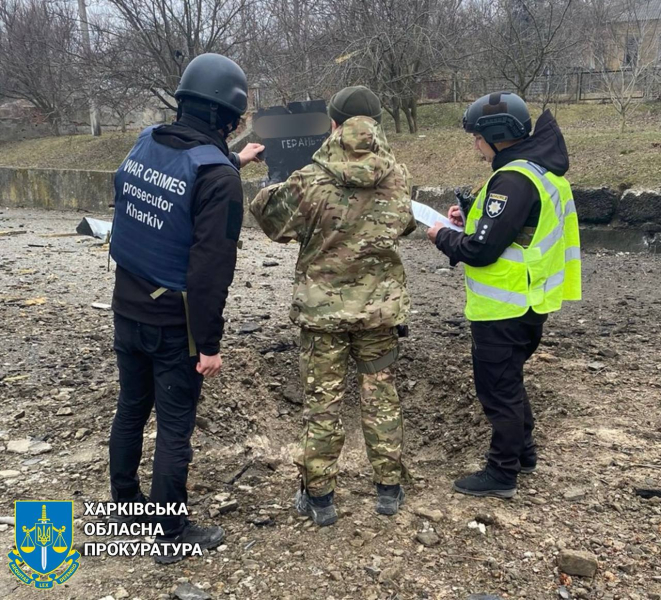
x: 581, y: 564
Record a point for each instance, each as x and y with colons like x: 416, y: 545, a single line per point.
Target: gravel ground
x: 595, y: 385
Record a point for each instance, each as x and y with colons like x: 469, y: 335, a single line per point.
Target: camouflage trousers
x: 324, y: 367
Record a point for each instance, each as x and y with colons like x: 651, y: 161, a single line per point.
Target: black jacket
x: 546, y: 147
x: 217, y: 214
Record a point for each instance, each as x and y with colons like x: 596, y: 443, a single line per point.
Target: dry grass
x: 599, y: 153
x: 84, y: 152
x: 440, y: 154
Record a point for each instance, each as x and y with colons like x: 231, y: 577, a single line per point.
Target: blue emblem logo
x: 44, y: 553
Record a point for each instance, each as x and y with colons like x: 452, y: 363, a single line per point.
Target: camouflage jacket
x: 347, y: 210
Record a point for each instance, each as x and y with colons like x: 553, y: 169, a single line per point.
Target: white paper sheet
x: 429, y: 217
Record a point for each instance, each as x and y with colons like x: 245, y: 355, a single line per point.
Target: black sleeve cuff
x: 235, y: 160
x: 209, y: 350
x: 444, y: 245
x: 209, y: 347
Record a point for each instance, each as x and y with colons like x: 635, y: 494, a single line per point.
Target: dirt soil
x: 595, y: 385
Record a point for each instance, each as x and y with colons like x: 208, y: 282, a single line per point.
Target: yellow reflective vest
x: 540, y: 276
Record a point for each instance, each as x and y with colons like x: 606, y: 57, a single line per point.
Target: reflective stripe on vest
x: 516, y: 254
x: 549, y: 241
x: 488, y: 291
x: 539, y: 173
x: 494, y: 293
x: 513, y: 254
x: 554, y: 281
x: 570, y: 207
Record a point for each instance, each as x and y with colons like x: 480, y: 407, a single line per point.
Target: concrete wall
x: 626, y: 221
x: 595, y: 206
x: 69, y: 189
x: 57, y: 189
x: 629, y: 220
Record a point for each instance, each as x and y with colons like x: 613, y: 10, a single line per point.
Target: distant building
x: 633, y: 37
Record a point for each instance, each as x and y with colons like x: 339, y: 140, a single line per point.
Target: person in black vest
x: 178, y: 216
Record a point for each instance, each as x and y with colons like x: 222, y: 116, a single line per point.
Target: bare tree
x: 387, y: 44
x: 39, y: 45
x: 625, y: 51
x: 290, y: 49
x: 519, y: 39
x: 163, y: 36
x: 111, y: 72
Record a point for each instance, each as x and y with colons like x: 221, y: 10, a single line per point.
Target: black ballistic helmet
x: 215, y: 78
x: 498, y: 117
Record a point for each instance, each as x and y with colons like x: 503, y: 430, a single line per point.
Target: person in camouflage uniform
x: 347, y: 210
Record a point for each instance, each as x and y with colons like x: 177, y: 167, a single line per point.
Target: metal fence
x: 576, y: 86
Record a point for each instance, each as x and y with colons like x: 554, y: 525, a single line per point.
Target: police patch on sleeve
x: 495, y: 204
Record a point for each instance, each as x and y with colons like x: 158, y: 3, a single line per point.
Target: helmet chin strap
x: 493, y: 145
x: 213, y: 121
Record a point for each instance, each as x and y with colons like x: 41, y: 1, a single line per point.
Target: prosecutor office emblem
x: 496, y: 204
x: 44, y: 553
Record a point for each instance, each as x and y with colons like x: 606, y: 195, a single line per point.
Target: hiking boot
x: 207, y: 538
x: 115, y: 517
x: 320, y: 510
x: 389, y: 499
x: 484, y: 483
x: 528, y: 463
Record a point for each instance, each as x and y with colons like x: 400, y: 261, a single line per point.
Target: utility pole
x: 95, y: 119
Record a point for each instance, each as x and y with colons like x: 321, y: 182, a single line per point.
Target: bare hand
x: 432, y: 232
x: 454, y: 214
x: 209, y: 366
x: 249, y: 154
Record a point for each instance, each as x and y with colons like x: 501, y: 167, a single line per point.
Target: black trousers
x: 500, y: 350
x: 155, y: 369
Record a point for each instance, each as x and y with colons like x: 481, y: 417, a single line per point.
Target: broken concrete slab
x: 28, y: 446
x: 95, y: 228
x: 596, y: 205
x: 9, y: 474
x: 640, y: 206
x: 186, y: 591
x: 101, y: 306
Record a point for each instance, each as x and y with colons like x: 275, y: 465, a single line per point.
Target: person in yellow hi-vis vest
x: 521, y: 251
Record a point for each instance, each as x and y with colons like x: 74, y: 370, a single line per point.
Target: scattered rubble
x: 597, y: 431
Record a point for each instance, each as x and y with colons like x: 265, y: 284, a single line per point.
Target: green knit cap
x: 353, y: 102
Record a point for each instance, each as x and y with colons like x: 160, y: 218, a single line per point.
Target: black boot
x: 389, y: 499
x: 319, y: 508
x: 207, y: 538
x: 483, y: 483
